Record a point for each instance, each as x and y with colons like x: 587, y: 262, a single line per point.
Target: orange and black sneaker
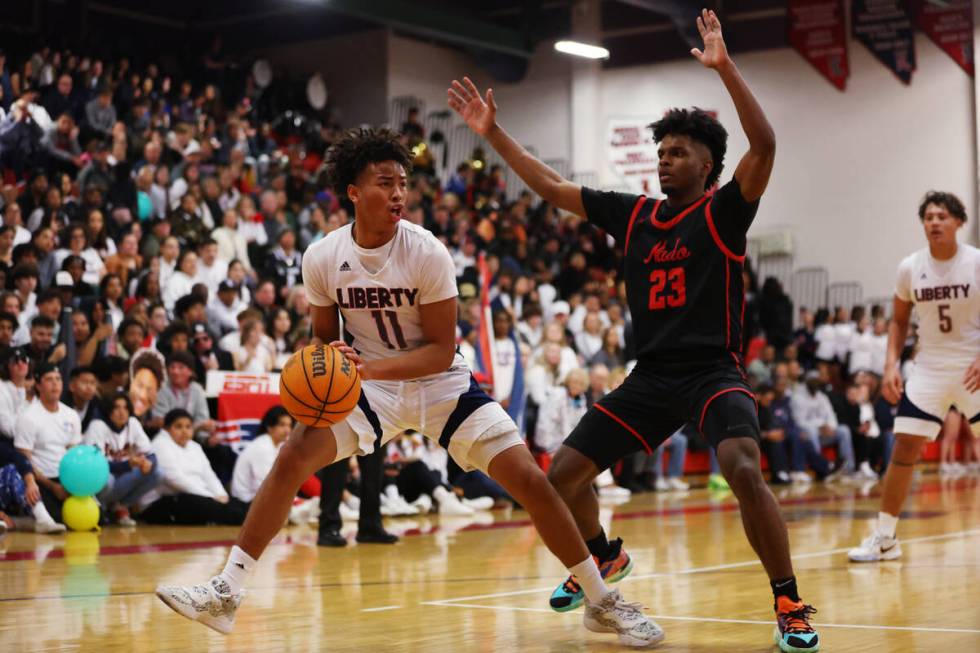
x: 569, y: 594
x: 793, y: 633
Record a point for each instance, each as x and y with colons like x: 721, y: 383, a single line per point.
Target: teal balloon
x: 144, y: 206
x: 83, y: 471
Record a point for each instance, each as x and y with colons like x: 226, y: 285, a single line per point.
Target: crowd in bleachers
x: 153, y: 230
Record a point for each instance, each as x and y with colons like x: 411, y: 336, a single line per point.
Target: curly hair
x: 701, y: 127
x: 358, y: 148
x: 946, y: 200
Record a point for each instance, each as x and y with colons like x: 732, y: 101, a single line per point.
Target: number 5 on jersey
x: 668, y: 289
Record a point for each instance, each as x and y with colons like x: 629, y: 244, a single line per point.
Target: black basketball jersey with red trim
x: 683, y: 269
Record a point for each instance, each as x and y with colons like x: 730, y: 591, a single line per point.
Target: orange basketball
x: 319, y: 386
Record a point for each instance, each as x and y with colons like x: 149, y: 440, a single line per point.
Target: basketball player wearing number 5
x: 395, y: 285
x: 684, y: 258
x: 942, y: 282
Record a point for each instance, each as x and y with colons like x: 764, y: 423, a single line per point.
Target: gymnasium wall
x: 536, y: 111
x: 851, y: 167
x: 353, y: 67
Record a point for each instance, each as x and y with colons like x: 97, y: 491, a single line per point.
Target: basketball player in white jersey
x: 942, y: 282
x: 394, y: 284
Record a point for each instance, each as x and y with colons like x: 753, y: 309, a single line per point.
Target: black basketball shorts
x: 657, y: 399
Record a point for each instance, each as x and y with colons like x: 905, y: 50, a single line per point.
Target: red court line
x: 696, y: 509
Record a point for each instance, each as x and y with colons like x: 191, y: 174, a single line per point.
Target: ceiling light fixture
x: 582, y: 50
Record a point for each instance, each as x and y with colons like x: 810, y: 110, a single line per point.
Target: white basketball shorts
x: 449, y: 408
x: 929, y: 394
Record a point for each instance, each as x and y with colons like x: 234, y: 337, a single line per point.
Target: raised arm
x: 480, y: 114
x: 752, y: 172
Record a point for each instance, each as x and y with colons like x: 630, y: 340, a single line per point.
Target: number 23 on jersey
x: 668, y: 289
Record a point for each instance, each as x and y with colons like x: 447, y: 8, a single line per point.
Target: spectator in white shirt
x: 817, y: 420
x: 190, y: 492
x: 212, y: 269
x: 169, y: 253
x: 561, y: 411
x: 231, y: 243
x: 44, y: 433
x: 224, y: 307
x: 14, y: 389
x: 181, y: 281
x: 255, y: 461
x: 588, y: 341
x: 861, y: 348
x: 879, y: 347
x: 133, y: 471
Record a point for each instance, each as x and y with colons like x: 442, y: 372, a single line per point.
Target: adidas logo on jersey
x: 345, y: 267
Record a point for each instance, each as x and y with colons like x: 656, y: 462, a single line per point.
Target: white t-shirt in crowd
x: 47, y: 435
x: 504, y: 364
x: 118, y: 447
x: 212, y: 276
x: 253, y: 465
x: 184, y: 470
x: 13, y: 402
x: 826, y: 338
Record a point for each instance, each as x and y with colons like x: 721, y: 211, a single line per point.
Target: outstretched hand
x: 479, y: 113
x: 715, y: 52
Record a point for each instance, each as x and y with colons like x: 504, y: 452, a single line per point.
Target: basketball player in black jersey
x: 683, y: 267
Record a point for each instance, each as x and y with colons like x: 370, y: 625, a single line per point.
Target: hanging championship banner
x: 816, y: 30
x: 633, y: 154
x: 885, y: 28
x: 950, y: 26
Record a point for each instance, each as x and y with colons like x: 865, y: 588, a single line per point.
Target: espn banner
x: 243, y: 400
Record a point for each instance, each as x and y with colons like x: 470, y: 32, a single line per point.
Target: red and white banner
x: 817, y: 30
x: 950, y: 26
x: 243, y: 400
x: 485, y: 340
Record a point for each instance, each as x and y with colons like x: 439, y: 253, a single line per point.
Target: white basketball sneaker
x: 614, y: 614
x: 212, y: 604
x: 876, y: 547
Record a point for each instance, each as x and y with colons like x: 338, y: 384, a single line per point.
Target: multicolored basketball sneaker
x: 569, y: 595
x: 793, y: 633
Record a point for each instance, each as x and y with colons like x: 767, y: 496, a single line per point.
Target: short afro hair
x: 700, y: 126
x: 358, y: 148
x: 946, y: 200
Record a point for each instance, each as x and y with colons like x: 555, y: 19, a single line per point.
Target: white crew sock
x: 41, y: 513
x: 887, y: 524
x: 238, y: 568
x: 588, y: 576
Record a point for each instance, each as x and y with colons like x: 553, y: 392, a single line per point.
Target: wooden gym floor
x: 483, y: 586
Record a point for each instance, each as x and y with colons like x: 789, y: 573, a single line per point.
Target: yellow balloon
x: 80, y: 513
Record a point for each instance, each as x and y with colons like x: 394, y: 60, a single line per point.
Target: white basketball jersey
x: 946, y: 295
x: 380, y: 310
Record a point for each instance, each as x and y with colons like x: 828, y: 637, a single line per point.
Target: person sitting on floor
x: 133, y: 470
x: 190, y: 492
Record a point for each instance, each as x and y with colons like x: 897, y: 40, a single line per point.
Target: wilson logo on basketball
x: 345, y: 367
x: 660, y: 254
x: 319, y: 362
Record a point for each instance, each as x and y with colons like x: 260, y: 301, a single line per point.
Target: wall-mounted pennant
x: 816, y: 30
x: 950, y: 26
x: 885, y: 28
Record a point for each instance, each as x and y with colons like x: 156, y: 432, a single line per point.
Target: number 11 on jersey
x: 379, y: 320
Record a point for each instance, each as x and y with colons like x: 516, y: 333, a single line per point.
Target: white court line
x: 698, y: 570
x: 664, y: 617
x: 382, y: 608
